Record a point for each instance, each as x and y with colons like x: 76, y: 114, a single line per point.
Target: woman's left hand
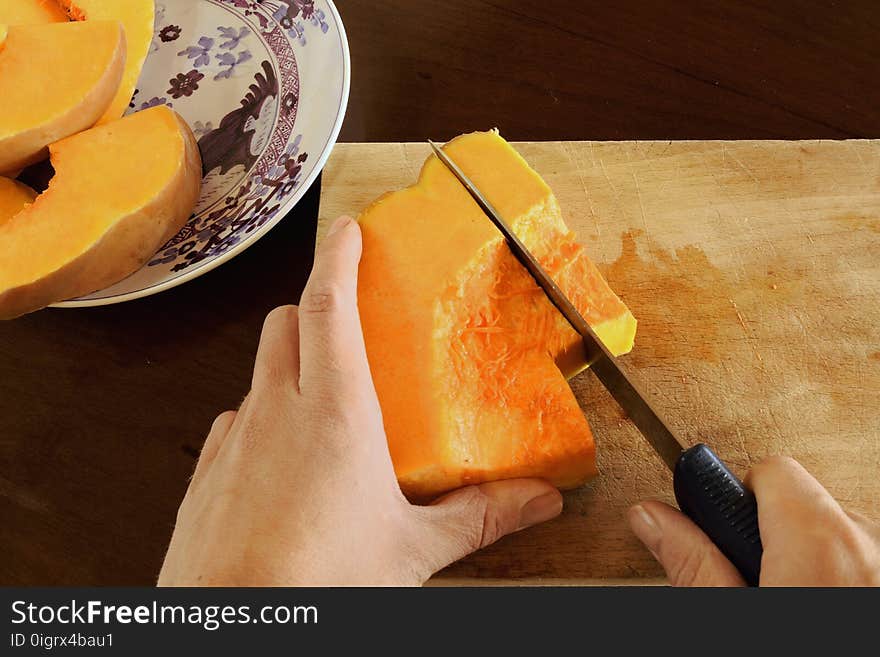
x: 297, y: 486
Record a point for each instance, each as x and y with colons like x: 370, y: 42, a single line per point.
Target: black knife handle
x: 716, y: 500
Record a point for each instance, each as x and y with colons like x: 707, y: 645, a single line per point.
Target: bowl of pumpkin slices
x: 179, y: 132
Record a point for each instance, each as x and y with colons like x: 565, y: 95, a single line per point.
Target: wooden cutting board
x: 753, y: 269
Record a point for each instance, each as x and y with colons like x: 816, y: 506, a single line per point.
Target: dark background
x: 103, y: 411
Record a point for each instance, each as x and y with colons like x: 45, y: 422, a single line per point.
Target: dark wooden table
x: 103, y: 411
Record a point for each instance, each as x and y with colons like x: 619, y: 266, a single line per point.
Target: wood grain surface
x: 103, y: 410
x: 754, y: 270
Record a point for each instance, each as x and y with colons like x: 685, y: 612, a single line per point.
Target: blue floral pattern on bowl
x: 264, y: 86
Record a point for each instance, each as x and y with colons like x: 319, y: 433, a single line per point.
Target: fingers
x: 277, y: 362
x: 794, y: 509
x: 219, y: 429
x: 866, y: 524
x: 782, y: 486
x: 472, y: 518
x: 333, y: 351
x: 685, y: 552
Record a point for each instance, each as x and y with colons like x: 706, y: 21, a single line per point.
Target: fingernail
x: 542, y: 508
x: 645, y: 527
x: 339, y: 224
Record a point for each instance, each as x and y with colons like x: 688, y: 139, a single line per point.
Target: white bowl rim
x: 249, y: 241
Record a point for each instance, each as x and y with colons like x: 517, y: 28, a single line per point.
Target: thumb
x: 471, y: 518
x: 685, y: 552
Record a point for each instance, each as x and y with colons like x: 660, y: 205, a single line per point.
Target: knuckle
x: 347, y: 436
x: 323, y: 298
x: 777, y: 462
x: 247, y: 439
x: 273, y: 378
x: 772, y: 466
x: 327, y: 402
x: 337, y: 432
x: 226, y: 417
x: 271, y: 370
x: 837, y: 553
x: 853, y: 539
x: 280, y: 315
x: 481, y: 526
x: 493, y: 525
x: 687, y: 569
x: 341, y: 390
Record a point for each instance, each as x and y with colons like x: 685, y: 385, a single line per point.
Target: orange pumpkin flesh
x: 13, y: 197
x: 28, y: 12
x: 137, y: 18
x: 49, y: 93
x: 466, y: 352
x: 119, y: 192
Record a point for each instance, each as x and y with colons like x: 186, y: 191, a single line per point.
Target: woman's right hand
x: 809, y: 540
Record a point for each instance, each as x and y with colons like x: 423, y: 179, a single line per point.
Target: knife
x: 705, y: 488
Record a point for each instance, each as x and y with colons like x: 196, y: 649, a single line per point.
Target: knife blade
x: 601, y: 361
x: 706, y: 490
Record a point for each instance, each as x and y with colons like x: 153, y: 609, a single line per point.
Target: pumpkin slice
x: 119, y: 192
x: 468, y: 356
x: 28, y: 12
x: 13, y: 197
x: 55, y: 80
x: 137, y: 18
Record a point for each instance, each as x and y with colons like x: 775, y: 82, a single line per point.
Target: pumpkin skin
x: 468, y: 356
x: 13, y: 197
x: 49, y: 94
x: 120, y: 191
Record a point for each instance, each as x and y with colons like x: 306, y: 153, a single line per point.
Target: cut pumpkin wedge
x: 136, y: 16
x: 55, y: 80
x: 119, y: 192
x: 468, y: 356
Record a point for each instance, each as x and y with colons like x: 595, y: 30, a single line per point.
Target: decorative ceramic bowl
x: 264, y: 86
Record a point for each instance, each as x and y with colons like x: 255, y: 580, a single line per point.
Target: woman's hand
x: 297, y: 486
x: 809, y: 540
